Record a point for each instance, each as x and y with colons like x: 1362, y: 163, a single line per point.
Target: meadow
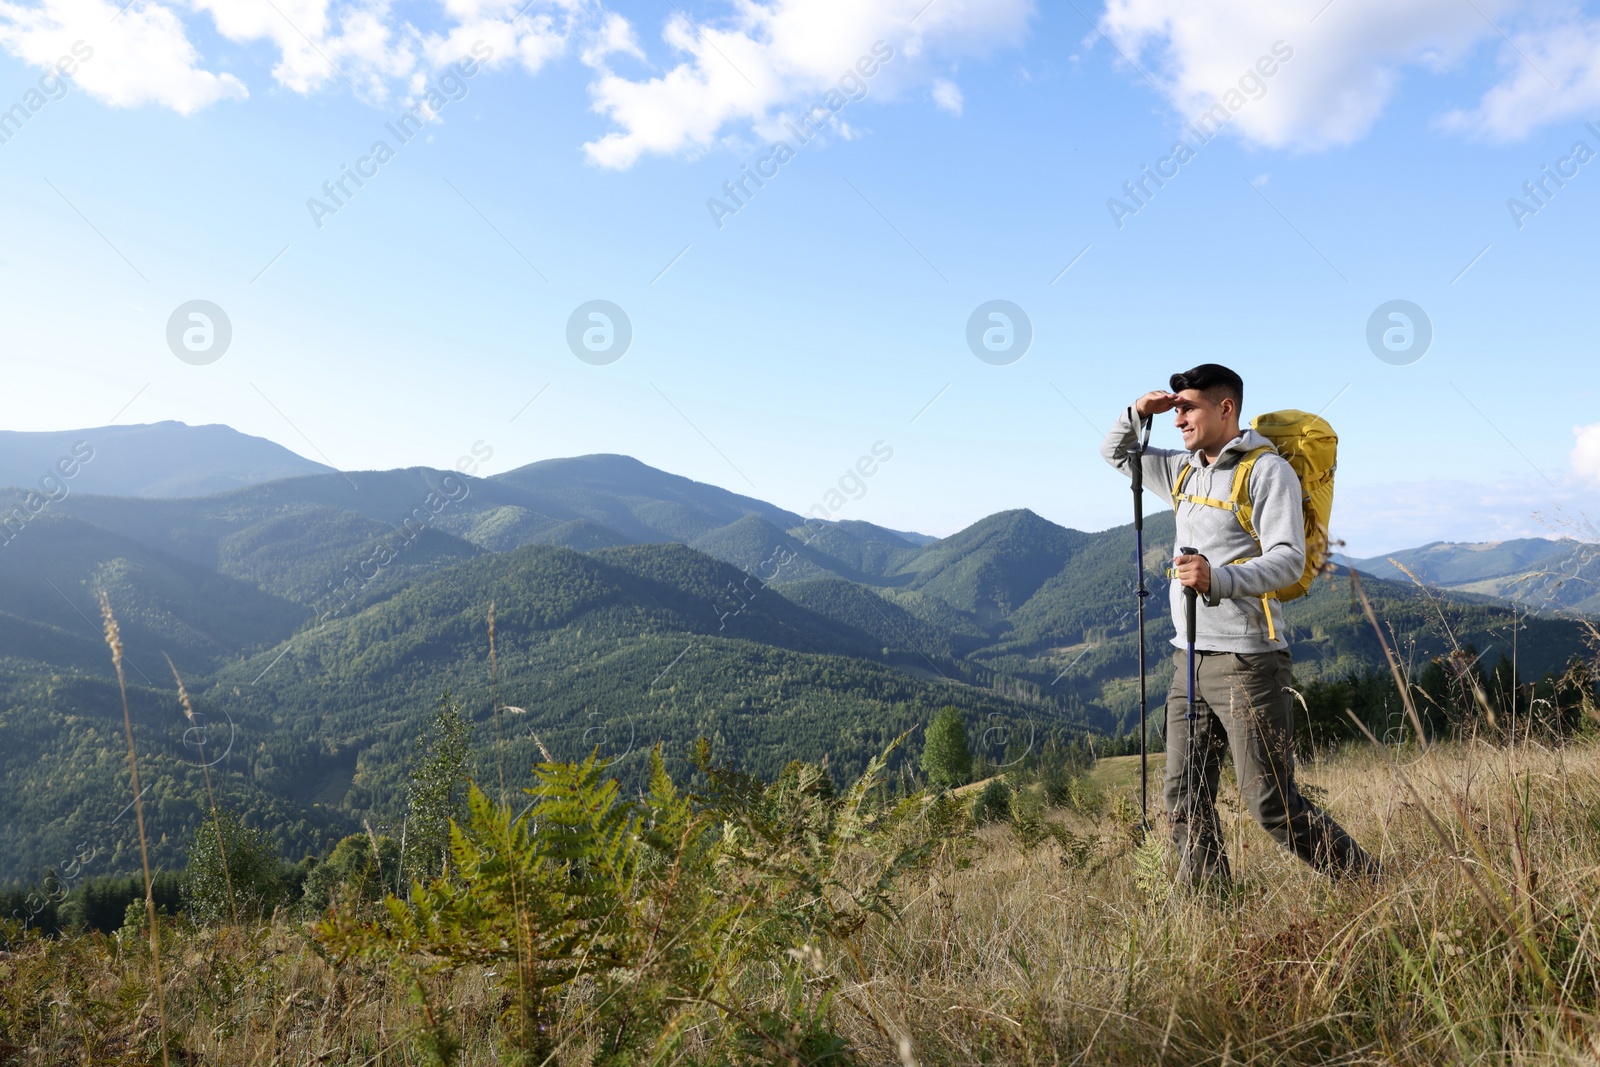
x: 786, y: 922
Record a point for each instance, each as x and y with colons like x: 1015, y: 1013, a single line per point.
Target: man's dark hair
x: 1212, y: 379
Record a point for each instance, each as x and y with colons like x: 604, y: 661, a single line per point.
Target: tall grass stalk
x: 524, y: 964
x: 211, y: 797
x: 494, y: 701
x: 113, y: 635
x: 1513, y: 918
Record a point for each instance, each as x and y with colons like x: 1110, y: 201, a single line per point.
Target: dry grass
x: 233, y: 996
x: 1006, y: 954
x: 1027, y: 957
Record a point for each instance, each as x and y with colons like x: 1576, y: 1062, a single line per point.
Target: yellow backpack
x: 1311, y: 447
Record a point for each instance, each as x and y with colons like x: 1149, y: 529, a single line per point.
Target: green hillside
x: 619, y: 649
x: 318, y: 621
x: 296, y: 538
x: 886, y: 618
x: 632, y: 499
x: 994, y: 566
x: 759, y: 548
x: 49, y: 576
x: 858, y: 548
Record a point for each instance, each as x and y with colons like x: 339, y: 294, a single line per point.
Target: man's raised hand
x: 1155, y: 402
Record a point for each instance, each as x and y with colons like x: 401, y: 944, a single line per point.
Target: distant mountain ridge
x: 1542, y: 574
x: 161, y: 459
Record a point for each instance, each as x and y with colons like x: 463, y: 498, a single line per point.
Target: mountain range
x: 1538, y: 573
x: 316, y: 619
x: 160, y: 459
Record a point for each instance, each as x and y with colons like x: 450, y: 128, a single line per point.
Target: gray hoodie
x: 1232, y: 617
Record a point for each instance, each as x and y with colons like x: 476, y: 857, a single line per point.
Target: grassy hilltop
x: 1049, y: 936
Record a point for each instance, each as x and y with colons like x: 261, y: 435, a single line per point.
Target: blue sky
x: 830, y: 311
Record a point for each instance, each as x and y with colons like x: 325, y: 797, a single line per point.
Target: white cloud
x: 1348, y: 64
x: 947, y: 94
x: 320, y: 41
x: 1344, y: 70
x: 141, y: 56
x: 615, y: 37
x: 528, y: 36
x: 1551, y: 74
x: 1585, y: 457
x: 741, y: 74
x: 144, y: 55
x: 782, y: 54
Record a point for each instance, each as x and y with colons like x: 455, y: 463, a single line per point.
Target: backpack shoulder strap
x: 1239, y: 503
x: 1240, y: 497
x: 1238, y: 500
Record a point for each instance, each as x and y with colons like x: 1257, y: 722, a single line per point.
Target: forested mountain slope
x: 318, y: 619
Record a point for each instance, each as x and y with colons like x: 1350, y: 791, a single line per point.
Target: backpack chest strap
x: 1206, y: 501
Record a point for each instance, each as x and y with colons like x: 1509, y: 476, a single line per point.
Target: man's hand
x: 1155, y: 402
x: 1194, y: 571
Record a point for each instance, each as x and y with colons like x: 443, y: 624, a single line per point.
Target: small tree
x: 946, y: 760
x: 993, y: 803
x: 360, y: 869
x: 245, y: 885
x: 436, y: 790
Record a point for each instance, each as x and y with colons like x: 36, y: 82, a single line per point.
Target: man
x: 1242, y: 668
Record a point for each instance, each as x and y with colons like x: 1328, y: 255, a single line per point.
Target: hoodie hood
x: 1247, y: 441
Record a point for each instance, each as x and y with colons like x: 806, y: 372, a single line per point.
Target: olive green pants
x: 1242, y: 702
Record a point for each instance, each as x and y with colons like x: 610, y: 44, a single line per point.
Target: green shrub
x: 435, y: 791
x: 946, y: 759
x: 233, y: 870
x: 1055, y: 784
x: 1085, y: 798
x: 1028, y: 824
x: 360, y: 870
x: 993, y: 803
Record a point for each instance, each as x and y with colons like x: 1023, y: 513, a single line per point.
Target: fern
x: 628, y: 926
x: 1152, y: 869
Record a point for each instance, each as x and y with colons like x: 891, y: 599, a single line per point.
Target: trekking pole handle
x: 1190, y: 596
x: 1136, y: 469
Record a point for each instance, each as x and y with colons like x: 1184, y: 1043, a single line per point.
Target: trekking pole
x: 1137, y: 474
x: 1190, y: 596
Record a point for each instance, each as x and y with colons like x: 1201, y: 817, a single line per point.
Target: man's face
x: 1201, y: 421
